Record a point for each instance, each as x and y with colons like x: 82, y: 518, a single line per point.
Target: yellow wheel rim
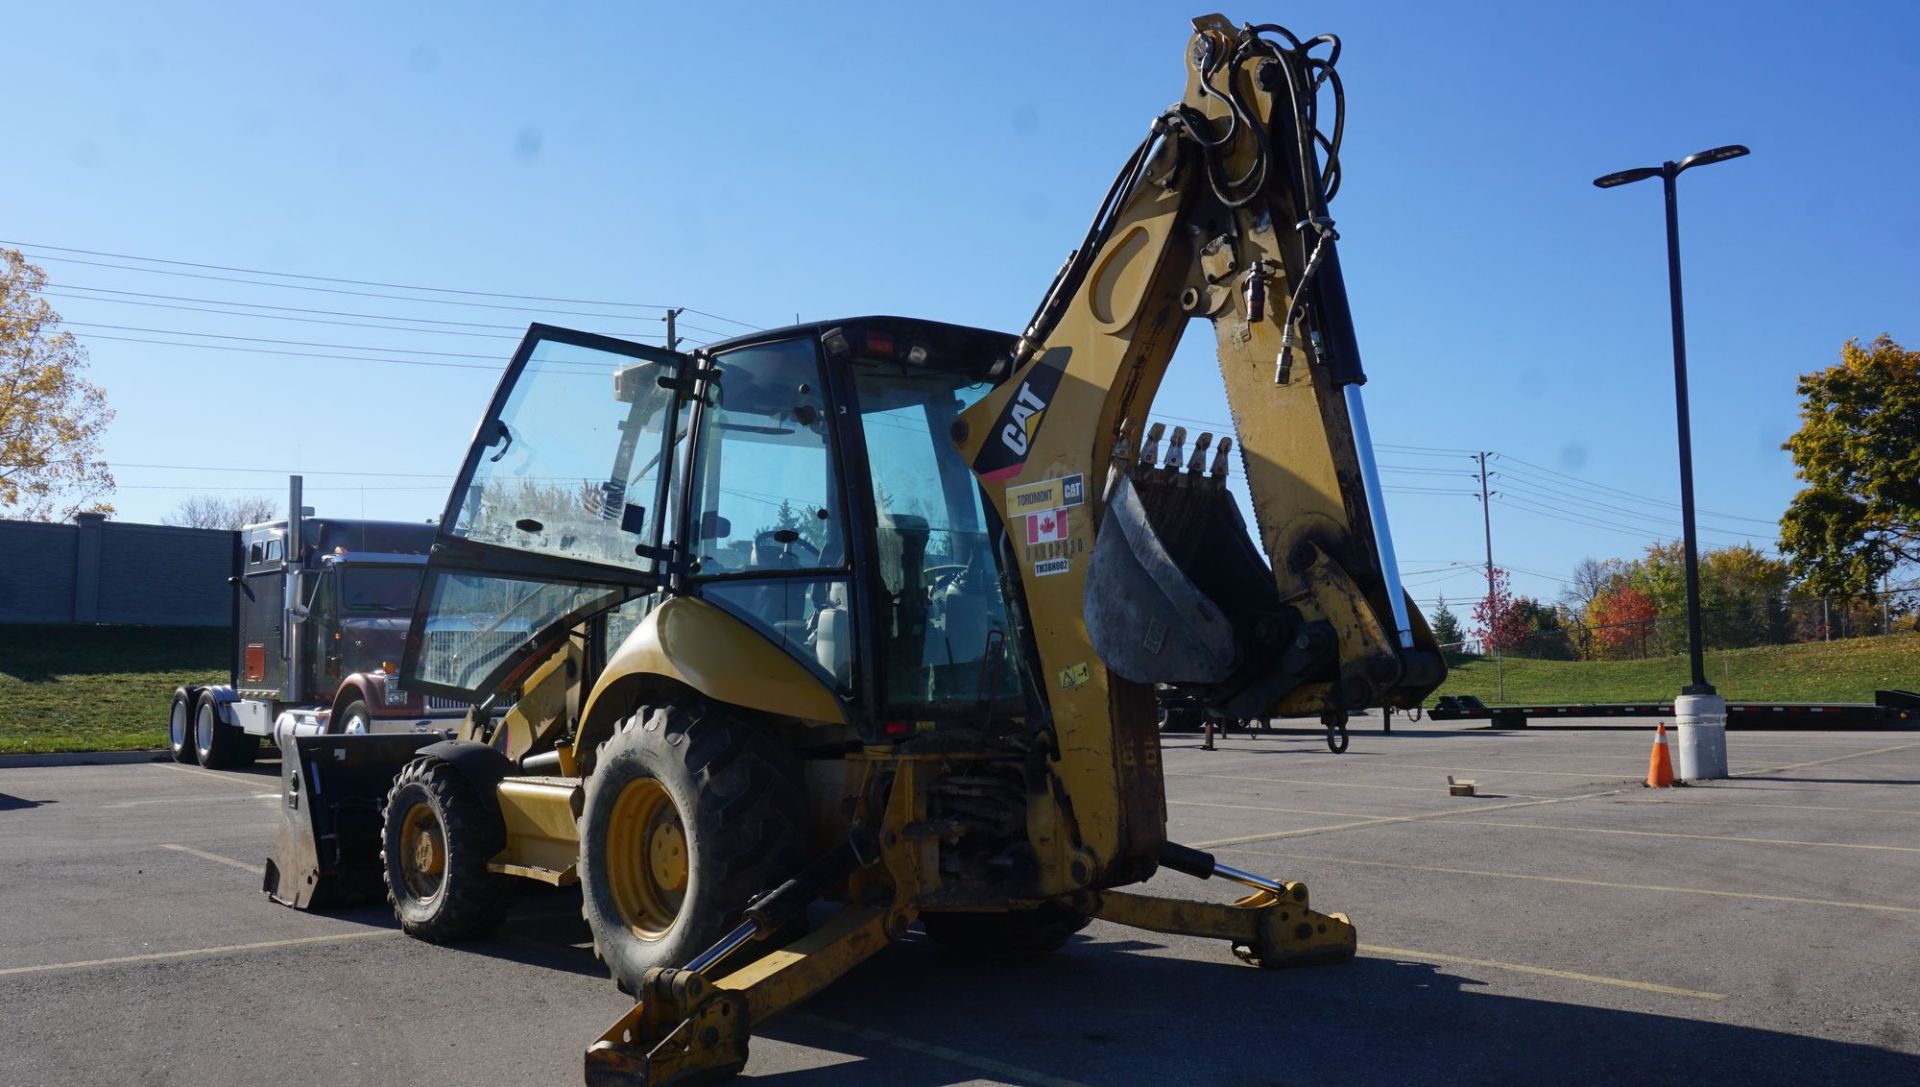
x: 423, y: 852
x: 647, y: 858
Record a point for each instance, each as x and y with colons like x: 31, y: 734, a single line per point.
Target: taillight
x: 880, y: 344
x: 896, y: 730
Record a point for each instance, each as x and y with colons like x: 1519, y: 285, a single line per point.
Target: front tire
x: 353, y: 719
x: 435, y: 842
x: 691, y: 811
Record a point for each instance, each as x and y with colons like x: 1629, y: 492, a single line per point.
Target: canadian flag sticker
x: 1046, y: 526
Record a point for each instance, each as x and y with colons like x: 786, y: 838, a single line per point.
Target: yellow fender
x: 690, y: 643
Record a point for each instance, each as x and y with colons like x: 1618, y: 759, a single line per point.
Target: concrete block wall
x: 101, y: 571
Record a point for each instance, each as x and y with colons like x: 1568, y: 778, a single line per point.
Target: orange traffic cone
x: 1659, y: 764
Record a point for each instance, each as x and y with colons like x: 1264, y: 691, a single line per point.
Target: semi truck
x: 320, y: 614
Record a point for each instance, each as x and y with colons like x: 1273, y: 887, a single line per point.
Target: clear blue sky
x: 826, y: 159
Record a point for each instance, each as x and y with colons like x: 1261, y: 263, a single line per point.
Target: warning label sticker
x: 1075, y: 676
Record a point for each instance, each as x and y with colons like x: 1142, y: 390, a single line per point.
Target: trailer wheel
x: 1005, y: 934
x: 435, y: 842
x: 690, y: 812
x: 180, y: 727
x: 216, y: 743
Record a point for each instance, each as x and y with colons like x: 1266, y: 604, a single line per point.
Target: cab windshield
x: 380, y: 588
x: 944, y: 633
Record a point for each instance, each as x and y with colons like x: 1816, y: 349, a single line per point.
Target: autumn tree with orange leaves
x: 51, y: 417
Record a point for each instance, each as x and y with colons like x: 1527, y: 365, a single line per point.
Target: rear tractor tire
x: 1005, y: 934
x: 691, y: 811
x: 218, y: 745
x: 180, y: 727
x: 435, y: 843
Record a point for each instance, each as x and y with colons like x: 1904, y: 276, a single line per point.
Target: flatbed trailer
x: 1887, y: 708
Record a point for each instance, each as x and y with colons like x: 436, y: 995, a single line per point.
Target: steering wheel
x: 936, y: 578
x: 780, y: 542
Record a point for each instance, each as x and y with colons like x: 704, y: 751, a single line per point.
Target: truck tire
x: 435, y: 841
x: 1005, y: 934
x: 180, y: 727
x: 216, y: 744
x: 690, y: 812
x: 355, y: 710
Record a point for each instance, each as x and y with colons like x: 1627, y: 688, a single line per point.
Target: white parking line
x: 197, y: 952
x: 245, y: 781
x: 1823, y: 762
x: 1793, y: 899
x: 214, y: 857
x: 953, y: 1056
x: 1451, y: 818
x: 190, y: 799
x: 1385, y: 819
x: 1406, y: 955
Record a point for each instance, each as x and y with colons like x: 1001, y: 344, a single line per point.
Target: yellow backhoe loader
x: 872, y: 612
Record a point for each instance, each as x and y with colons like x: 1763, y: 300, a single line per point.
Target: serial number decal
x: 1052, y: 566
x: 1058, y: 549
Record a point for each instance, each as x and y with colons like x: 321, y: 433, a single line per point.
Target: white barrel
x: 1703, y: 736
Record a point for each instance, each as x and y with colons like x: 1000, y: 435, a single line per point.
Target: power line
x: 358, y: 282
x: 285, y: 343
x: 343, y: 291
x: 1627, y: 494
x: 323, y: 321
x: 279, y: 471
x: 1545, y: 496
x: 296, y: 354
x: 1615, y: 524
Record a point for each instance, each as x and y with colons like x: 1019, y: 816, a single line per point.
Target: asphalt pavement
x: 1563, y: 926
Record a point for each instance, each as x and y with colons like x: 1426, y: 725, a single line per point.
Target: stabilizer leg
x: 1271, y: 928
x: 686, y: 1030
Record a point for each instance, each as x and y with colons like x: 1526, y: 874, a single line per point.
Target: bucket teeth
x: 1175, y: 452
x: 1150, y: 449
x: 1199, y: 462
x: 1219, y: 472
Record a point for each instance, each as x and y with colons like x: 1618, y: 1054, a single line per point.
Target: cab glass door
x: 559, y: 509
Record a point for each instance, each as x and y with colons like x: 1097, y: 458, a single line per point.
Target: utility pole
x: 673, y: 337
x: 1486, y: 522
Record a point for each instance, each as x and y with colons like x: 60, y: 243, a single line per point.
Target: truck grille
x: 436, y: 702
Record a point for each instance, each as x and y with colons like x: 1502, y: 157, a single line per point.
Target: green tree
x: 51, y: 418
x: 1743, y: 598
x: 1445, y: 624
x: 1858, y: 451
x: 1546, y: 637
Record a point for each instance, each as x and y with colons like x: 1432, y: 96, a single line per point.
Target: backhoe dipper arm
x: 1137, y: 573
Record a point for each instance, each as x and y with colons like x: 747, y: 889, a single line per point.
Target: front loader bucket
x: 332, y: 789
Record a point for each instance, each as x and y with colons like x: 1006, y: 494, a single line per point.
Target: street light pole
x: 1700, y: 711
x: 1669, y: 172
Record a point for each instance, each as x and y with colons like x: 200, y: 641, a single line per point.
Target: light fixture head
x: 1627, y: 177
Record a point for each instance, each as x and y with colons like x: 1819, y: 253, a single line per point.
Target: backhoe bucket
x: 332, y: 789
x: 1147, y: 619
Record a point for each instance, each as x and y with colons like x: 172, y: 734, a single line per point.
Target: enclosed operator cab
x: 609, y: 478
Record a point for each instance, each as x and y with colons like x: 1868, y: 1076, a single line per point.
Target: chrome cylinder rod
x: 728, y: 944
x: 1247, y: 878
x: 1377, y: 512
